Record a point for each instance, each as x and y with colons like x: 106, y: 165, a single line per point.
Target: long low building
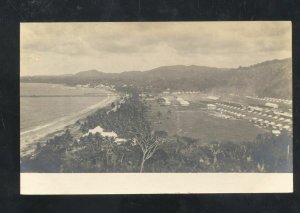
x: 271, y: 105
x: 211, y: 106
x: 254, y: 108
x: 214, y: 98
x: 101, y: 131
x: 285, y: 114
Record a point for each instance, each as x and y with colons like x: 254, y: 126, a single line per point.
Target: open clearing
x: 195, y: 121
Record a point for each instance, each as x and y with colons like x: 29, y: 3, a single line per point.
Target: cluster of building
x: 107, y: 87
x: 163, y: 101
x: 275, y: 127
x: 274, y: 100
x: 271, y: 119
x: 229, y: 110
x: 267, y: 115
x: 180, y: 92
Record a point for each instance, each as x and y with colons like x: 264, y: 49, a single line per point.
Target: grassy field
x: 196, y: 122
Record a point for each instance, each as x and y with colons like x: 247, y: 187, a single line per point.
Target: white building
x: 99, y: 130
x: 253, y: 108
x: 166, y: 103
x: 214, y: 98
x: 183, y: 102
x: 279, y: 126
x: 276, y: 132
x: 211, y: 106
x: 288, y: 120
x: 284, y: 114
x: 271, y: 105
x: 120, y: 140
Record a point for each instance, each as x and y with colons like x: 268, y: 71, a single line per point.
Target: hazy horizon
x: 69, y: 48
x: 91, y: 69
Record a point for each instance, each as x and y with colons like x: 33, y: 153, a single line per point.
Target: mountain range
x: 270, y: 78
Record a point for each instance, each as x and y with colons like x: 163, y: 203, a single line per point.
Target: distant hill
x: 270, y: 78
x: 89, y: 74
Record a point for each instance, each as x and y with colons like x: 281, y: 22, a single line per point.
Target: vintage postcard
x: 156, y: 107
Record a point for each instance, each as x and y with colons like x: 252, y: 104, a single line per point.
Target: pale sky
x: 66, y: 48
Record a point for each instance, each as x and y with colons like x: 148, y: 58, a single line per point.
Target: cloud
x: 116, y: 47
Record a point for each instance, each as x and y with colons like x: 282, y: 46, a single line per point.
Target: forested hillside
x: 270, y: 78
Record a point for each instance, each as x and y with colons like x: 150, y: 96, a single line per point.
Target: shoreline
x: 29, y: 138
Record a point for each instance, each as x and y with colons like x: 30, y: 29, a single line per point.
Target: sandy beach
x: 29, y: 138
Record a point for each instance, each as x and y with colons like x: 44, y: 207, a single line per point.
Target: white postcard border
x: 154, y: 183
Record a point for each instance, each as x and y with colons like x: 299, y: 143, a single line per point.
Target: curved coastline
x: 29, y: 138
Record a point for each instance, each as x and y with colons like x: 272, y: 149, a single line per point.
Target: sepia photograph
x: 156, y: 98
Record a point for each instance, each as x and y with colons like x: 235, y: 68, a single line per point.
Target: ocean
x: 42, y: 103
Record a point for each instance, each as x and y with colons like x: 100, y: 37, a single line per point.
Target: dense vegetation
x: 147, y: 151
